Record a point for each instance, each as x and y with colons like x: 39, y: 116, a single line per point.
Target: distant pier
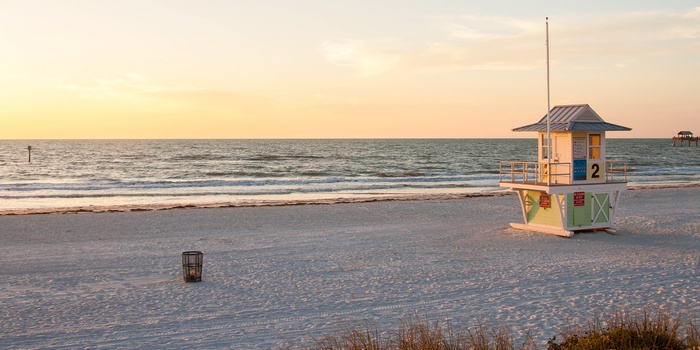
x: 685, y: 136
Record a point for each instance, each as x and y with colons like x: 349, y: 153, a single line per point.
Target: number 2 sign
x: 595, y: 171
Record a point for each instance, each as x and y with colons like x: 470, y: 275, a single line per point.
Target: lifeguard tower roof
x: 573, y: 118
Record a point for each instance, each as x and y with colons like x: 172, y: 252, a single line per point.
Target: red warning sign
x: 579, y: 199
x: 544, y: 200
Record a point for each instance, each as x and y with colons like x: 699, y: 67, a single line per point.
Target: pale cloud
x: 318, y: 100
x: 126, y: 86
x: 475, y: 27
x: 688, y: 25
x: 484, y: 42
x: 136, y: 77
x: 631, y: 34
x: 623, y: 64
x: 362, y: 56
x: 472, y: 42
x: 210, y: 98
x: 693, y: 13
x: 136, y: 87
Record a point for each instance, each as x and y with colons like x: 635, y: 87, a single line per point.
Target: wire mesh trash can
x: 192, y: 266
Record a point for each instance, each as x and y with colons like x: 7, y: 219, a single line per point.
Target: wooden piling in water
x: 681, y: 140
x: 683, y: 136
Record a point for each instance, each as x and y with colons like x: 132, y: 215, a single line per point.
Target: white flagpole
x: 549, y: 132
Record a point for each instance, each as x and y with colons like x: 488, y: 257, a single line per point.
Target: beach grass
x: 618, y: 330
x: 415, y: 333
x: 623, y: 330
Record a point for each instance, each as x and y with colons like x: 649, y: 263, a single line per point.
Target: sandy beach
x: 278, y: 276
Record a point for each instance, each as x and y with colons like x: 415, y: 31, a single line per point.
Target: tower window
x: 594, y: 146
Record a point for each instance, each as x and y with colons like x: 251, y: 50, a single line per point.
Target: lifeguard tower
x: 577, y: 188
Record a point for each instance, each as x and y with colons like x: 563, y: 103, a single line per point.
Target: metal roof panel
x: 574, y: 126
x: 573, y: 118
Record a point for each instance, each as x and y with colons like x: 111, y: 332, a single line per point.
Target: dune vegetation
x: 618, y: 330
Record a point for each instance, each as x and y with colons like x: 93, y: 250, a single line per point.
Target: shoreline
x: 248, y: 204
x: 293, y: 202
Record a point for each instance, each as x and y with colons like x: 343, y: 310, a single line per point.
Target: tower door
x: 561, y: 159
x: 580, y: 205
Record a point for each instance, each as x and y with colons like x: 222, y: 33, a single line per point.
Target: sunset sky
x: 341, y: 69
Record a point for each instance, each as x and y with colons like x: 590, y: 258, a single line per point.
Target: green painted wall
x: 576, y: 216
x: 543, y: 216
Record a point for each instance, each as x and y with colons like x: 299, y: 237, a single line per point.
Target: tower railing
x: 536, y: 173
x: 615, y: 171
x: 521, y: 171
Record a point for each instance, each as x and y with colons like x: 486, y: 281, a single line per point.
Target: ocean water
x: 84, y: 173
